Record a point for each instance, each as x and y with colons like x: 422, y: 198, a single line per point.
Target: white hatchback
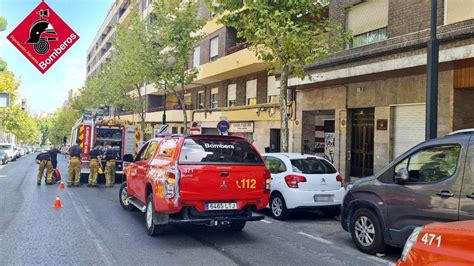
x: 303, y: 182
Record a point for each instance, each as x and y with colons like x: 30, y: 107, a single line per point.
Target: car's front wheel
x: 152, y: 228
x: 366, y: 231
x: 278, y: 207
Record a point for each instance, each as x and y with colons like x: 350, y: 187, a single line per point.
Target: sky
x: 46, y: 92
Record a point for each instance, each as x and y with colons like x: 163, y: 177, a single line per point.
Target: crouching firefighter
x: 94, y: 165
x: 74, y: 169
x: 44, y: 161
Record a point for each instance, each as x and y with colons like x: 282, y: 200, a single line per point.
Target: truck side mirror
x: 128, y: 158
x: 401, y: 176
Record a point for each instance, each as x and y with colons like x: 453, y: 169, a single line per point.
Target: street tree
x: 44, y: 125
x: 174, y: 31
x: 287, y: 35
x: 62, y: 122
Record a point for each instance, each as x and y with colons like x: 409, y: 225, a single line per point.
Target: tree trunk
x: 284, y: 108
x: 183, y: 107
x: 141, y: 112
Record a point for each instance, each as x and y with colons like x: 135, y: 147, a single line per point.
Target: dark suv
x: 432, y: 182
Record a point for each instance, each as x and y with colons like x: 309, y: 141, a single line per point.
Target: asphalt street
x: 92, y: 228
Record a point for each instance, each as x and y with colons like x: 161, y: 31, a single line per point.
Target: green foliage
x: 3, y: 23
x: 44, y: 125
x: 19, y: 123
x: 62, y: 122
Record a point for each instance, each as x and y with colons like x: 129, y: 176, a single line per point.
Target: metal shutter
x: 408, y: 127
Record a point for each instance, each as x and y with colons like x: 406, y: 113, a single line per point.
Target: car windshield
x: 5, y: 147
x: 219, y: 150
x: 312, y: 165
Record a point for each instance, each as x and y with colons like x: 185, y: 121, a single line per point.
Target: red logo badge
x: 43, y: 37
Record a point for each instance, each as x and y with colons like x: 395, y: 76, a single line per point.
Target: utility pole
x: 432, y: 76
x: 164, y: 108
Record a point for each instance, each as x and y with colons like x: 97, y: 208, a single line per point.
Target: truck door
x: 466, y: 206
x: 142, y: 171
x: 432, y: 191
x: 135, y: 171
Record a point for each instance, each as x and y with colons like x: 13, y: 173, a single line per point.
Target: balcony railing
x: 237, y: 47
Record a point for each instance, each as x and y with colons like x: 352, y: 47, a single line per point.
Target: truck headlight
x: 411, y: 242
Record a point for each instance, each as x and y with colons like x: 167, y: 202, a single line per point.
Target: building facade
x: 366, y: 103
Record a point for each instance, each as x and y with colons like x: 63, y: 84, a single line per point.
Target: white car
x: 303, y: 182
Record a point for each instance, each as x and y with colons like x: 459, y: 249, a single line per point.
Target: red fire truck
x: 93, y: 130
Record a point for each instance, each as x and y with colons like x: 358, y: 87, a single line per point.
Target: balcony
x: 239, y: 63
x: 237, y: 47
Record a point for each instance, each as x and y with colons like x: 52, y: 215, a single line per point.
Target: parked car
x: 432, y: 182
x: 22, y: 151
x: 209, y: 180
x: 3, y: 157
x: 9, y: 150
x: 440, y: 244
x: 303, y: 182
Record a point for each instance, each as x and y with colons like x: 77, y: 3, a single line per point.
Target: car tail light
x: 340, y: 179
x: 268, y: 178
x: 170, y: 185
x: 293, y: 180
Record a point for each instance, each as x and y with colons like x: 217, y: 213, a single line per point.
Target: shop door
x: 362, y: 147
x: 274, y: 140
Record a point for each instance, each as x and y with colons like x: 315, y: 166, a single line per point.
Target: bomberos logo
x: 43, y: 37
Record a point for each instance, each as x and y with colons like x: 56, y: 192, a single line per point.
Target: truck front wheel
x: 152, y: 228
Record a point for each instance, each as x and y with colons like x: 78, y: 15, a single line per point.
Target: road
x: 92, y: 228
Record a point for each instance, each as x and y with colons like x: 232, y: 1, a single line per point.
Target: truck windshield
x: 218, y: 151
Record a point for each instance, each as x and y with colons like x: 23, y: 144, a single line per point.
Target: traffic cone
x: 61, y: 185
x: 57, y: 203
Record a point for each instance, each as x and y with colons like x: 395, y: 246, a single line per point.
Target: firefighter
x: 109, y: 157
x: 74, y: 170
x: 44, y: 161
x: 94, y: 165
x: 53, y: 151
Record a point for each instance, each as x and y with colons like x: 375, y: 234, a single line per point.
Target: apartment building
x: 99, y: 51
x: 366, y: 103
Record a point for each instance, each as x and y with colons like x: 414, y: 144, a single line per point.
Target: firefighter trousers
x: 94, y: 168
x: 74, y: 171
x: 110, y: 173
x: 49, y: 172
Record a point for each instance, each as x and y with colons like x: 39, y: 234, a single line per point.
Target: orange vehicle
x: 440, y: 244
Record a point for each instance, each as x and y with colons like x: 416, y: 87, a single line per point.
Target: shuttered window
x: 458, y: 10
x: 367, y: 16
x: 214, y: 100
x: 214, y: 48
x: 251, y: 92
x: 197, y: 56
x: 231, y: 94
x: 273, y: 89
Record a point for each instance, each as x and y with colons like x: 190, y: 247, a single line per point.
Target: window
x: 275, y: 165
x: 368, y: 22
x: 197, y: 56
x: 214, y: 100
x: 312, y: 165
x: 231, y: 94
x: 167, y: 148
x: 151, y: 149
x: 369, y: 37
x: 214, y: 48
x: 187, y: 99
x: 174, y: 130
x: 251, y: 92
x: 200, y: 100
x: 273, y: 89
x: 458, y: 10
x: 431, y: 164
x: 218, y: 150
x: 141, y: 153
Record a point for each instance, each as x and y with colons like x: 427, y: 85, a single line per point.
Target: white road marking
x: 322, y: 240
x: 265, y: 221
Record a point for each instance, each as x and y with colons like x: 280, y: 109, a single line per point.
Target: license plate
x: 221, y: 206
x: 324, y: 198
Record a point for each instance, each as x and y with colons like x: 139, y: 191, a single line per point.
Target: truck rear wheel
x: 152, y: 228
x: 123, y: 196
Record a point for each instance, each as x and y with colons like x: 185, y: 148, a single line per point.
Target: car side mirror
x: 401, y: 176
x: 128, y: 158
